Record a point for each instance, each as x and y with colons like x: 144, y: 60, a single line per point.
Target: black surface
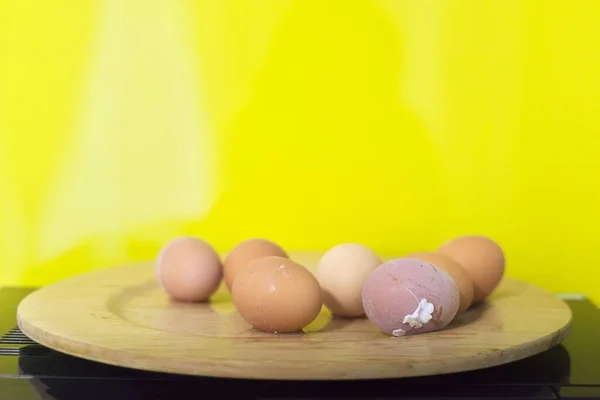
x: 570, y: 370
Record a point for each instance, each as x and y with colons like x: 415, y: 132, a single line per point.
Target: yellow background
x: 395, y: 123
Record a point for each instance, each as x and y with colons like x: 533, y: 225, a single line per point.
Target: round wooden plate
x: 120, y: 316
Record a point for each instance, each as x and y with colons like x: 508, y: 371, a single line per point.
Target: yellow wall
x: 396, y: 123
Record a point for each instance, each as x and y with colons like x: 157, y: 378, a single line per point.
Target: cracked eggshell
x: 341, y: 272
x: 393, y: 296
x: 275, y: 294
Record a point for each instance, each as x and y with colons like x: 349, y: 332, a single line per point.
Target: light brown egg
x: 341, y: 272
x: 189, y: 269
x: 482, y: 258
x: 275, y: 294
x: 246, y: 252
x: 457, y: 273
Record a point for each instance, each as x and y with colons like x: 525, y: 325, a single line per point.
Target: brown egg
x: 482, y: 258
x: 275, y: 294
x: 457, y: 273
x: 189, y: 269
x: 246, y: 252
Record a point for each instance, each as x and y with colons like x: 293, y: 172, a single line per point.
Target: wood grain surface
x: 120, y: 316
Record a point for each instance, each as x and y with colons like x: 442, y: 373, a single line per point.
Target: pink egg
x: 189, y: 269
x: 406, y: 296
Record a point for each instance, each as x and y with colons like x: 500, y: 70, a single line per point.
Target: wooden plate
x: 120, y: 316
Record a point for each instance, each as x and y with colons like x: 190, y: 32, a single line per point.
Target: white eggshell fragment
x: 407, y: 296
x: 341, y: 273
